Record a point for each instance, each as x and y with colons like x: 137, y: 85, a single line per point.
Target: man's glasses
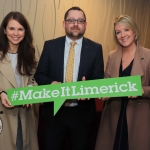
x: 72, y: 21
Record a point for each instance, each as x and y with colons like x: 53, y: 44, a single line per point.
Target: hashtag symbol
x: 14, y: 95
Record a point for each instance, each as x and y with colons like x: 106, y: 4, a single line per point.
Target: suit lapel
x: 7, y: 71
x: 137, y: 64
x: 84, y: 57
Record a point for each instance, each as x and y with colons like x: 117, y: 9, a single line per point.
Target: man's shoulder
x: 59, y: 39
x: 91, y: 42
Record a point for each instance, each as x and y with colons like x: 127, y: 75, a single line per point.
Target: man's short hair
x: 74, y: 8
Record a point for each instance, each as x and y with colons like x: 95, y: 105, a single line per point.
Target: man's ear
x: 63, y: 23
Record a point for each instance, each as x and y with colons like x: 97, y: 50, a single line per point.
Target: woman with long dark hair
x: 17, y: 67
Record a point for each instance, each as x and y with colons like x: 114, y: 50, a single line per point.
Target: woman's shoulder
x: 112, y: 53
x: 144, y: 51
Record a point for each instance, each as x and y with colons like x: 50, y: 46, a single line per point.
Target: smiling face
x: 15, y: 32
x: 124, y: 35
x: 75, y: 30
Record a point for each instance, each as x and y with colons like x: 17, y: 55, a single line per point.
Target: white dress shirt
x: 77, y: 55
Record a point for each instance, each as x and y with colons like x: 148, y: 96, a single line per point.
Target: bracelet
x: 2, y: 92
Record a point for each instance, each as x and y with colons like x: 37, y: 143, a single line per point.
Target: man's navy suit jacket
x: 51, y: 68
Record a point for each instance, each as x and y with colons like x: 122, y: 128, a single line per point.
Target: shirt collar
x: 68, y: 40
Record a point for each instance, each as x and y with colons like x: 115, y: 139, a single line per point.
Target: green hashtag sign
x: 58, y: 93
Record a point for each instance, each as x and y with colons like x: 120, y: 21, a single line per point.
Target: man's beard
x: 71, y: 35
x: 75, y: 36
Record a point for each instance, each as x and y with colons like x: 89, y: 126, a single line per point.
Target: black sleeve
x: 41, y: 76
x: 98, y: 68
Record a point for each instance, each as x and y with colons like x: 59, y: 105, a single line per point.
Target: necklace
x: 12, y: 52
x: 12, y: 56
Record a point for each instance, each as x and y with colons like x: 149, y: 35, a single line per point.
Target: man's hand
x: 104, y: 98
x: 83, y: 79
x: 55, y: 82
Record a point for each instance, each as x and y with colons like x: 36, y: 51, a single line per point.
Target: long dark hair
x: 26, y: 52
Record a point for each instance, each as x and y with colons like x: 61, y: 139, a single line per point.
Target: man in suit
x: 73, y: 120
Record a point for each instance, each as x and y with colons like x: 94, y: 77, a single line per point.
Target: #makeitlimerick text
x: 73, y: 91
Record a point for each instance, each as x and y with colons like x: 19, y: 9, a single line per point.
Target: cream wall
x: 46, y: 16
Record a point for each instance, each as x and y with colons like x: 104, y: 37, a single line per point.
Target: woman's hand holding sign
x: 107, y: 98
x: 5, y: 100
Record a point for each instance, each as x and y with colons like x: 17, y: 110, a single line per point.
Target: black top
x: 121, y: 139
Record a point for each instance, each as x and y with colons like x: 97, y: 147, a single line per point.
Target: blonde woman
x: 125, y: 122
